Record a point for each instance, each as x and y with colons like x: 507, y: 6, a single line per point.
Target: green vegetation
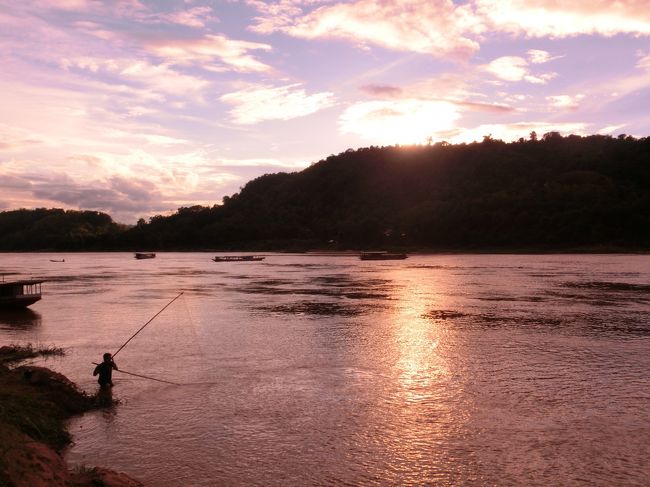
x: 56, y: 229
x: 551, y: 193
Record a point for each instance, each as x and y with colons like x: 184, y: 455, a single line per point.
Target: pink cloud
x: 259, y: 102
x: 193, y: 17
x: 550, y: 18
x: 515, y: 68
x: 565, y: 101
x: 450, y: 29
x: 382, y: 91
x: 434, y: 27
x: 234, y: 54
x: 644, y: 62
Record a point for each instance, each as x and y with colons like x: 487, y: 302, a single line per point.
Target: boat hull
x: 382, y: 256
x: 18, y: 301
x: 239, y: 258
x: 141, y: 256
x: 20, y: 294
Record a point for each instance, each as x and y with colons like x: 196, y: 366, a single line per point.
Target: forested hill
x: 555, y: 193
x: 558, y: 193
x: 57, y: 229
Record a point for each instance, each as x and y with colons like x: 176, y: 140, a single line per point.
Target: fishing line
x: 193, y: 326
x: 143, y: 326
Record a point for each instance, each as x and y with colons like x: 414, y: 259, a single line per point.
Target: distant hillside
x: 56, y: 229
x: 557, y: 193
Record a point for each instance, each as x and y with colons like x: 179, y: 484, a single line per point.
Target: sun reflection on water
x: 421, y: 366
x: 425, y: 422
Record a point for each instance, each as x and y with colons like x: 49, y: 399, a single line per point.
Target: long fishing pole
x: 150, y: 378
x: 143, y: 326
x: 145, y: 376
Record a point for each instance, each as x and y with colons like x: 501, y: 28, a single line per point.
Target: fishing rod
x: 144, y: 376
x: 150, y: 378
x: 143, y: 326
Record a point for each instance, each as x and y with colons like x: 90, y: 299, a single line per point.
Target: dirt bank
x: 35, y: 402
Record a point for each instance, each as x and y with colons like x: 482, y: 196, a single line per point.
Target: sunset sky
x: 138, y: 107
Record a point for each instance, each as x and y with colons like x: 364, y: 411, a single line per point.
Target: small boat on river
x: 238, y: 258
x: 145, y: 255
x: 20, y: 294
x: 382, y: 256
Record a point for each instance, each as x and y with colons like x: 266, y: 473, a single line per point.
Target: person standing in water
x: 105, y: 371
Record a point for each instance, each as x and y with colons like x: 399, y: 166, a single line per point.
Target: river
x: 309, y: 369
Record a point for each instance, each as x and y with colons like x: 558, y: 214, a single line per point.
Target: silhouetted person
x: 105, y: 371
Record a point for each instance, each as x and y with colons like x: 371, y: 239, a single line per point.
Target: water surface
x: 327, y: 370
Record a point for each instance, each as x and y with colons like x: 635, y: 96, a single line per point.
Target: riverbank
x: 35, y: 403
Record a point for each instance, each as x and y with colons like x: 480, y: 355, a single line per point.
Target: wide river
x: 326, y: 370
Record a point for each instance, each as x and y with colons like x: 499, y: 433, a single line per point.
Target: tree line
x: 546, y: 193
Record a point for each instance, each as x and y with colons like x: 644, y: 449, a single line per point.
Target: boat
x: 238, y: 258
x: 19, y: 294
x: 54, y: 260
x: 145, y: 255
x: 382, y: 256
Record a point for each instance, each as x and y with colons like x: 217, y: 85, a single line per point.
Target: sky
x: 137, y: 108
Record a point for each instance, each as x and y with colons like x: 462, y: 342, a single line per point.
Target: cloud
x: 90, y: 160
x: 382, y: 91
x: 156, y: 78
x: 643, y: 62
x: 537, y: 56
x: 565, y: 101
x: 550, y: 18
x: 425, y: 91
x: 12, y: 182
x: 398, y: 121
x: 259, y: 162
x: 482, y: 107
x: 96, y: 30
x: 446, y: 28
x: 117, y: 196
x: 78, y: 5
x: 434, y: 27
x: 611, y: 129
x: 195, y: 17
x: 232, y: 54
x: 13, y: 138
x: 515, y: 68
x: 259, y: 102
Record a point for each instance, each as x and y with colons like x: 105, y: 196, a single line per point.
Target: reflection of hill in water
x: 19, y: 318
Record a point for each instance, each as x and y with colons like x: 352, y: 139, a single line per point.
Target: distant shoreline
x: 410, y: 252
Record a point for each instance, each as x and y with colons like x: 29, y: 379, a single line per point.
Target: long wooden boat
x: 20, y: 294
x: 145, y: 255
x: 382, y: 256
x: 238, y: 258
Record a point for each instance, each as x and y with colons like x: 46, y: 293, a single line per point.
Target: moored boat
x: 20, y: 294
x: 145, y: 255
x: 238, y: 258
x: 382, y: 256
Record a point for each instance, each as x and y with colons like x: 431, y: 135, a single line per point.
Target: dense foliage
x: 56, y: 229
x: 554, y: 193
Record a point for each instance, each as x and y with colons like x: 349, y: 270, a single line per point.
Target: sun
x: 399, y: 121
